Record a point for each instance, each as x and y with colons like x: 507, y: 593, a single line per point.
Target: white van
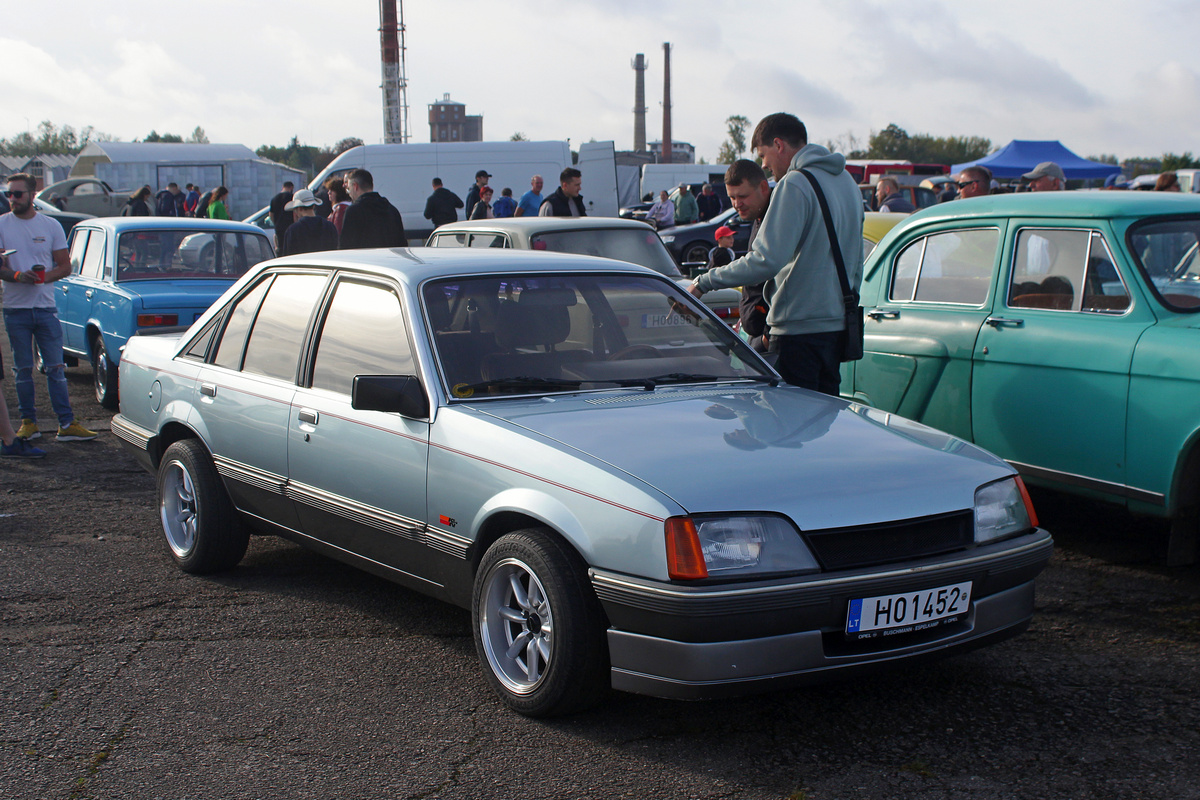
x: 656, y: 177
x: 403, y: 173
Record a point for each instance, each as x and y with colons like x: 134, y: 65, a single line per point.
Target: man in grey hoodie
x: 793, y: 252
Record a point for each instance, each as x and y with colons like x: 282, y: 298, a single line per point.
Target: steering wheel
x: 635, y: 351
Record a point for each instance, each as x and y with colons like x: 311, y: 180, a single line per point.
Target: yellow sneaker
x: 74, y: 433
x: 29, y: 430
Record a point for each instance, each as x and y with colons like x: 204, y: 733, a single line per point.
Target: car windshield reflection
x: 544, y: 334
x: 634, y: 245
x: 1166, y: 253
x: 174, y: 254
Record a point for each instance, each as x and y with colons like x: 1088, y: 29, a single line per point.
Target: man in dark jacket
x: 280, y: 216
x: 708, y: 202
x: 481, y: 179
x: 169, y: 202
x: 440, y: 208
x: 371, y: 221
x: 566, y: 200
x: 308, y: 233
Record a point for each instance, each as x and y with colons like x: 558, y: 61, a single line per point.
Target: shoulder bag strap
x: 848, y: 294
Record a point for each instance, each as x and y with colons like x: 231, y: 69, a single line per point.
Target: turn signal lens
x: 1033, y: 520
x: 150, y: 320
x: 685, y: 561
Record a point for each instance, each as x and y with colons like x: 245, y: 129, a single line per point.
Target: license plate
x: 893, y: 614
x: 664, y: 320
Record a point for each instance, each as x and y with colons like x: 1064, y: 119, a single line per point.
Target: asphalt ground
x: 294, y: 676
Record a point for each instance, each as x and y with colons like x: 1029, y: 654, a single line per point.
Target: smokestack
x: 395, y: 95
x: 639, y: 104
x: 666, y: 137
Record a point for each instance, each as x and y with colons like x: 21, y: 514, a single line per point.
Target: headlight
x: 667, y: 239
x: 1002, y: 508
x: 700, y: 547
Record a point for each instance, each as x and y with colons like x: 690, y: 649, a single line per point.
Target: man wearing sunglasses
x: 974, y: 182
x: 29, y: 311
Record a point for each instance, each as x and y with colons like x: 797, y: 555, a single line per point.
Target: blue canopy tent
x: 1020, y: 156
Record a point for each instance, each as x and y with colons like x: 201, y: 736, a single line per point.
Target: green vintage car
x: 1059, y: 331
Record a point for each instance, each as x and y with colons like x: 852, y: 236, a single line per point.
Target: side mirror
x: 401, y: 394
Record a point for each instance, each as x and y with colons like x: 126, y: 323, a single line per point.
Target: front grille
x: 870, y: 545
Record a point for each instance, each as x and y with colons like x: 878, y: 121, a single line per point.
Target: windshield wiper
x: 650, y: 383
x: 523, y: 382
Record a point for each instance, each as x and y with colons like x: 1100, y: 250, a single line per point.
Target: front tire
x: 539, y: 629
x: 104, y: 376
x: 203, y: 532
x: 695, y: 253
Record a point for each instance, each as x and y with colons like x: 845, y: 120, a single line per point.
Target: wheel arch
x: 171, y: 433
x: 1185, y: 483
x: 517, y: 509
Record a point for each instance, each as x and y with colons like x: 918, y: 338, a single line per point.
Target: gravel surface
x: 294, y: 676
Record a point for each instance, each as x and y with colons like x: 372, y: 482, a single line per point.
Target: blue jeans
x: 25, y: 325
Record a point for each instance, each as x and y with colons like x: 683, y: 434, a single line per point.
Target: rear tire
x: 539, y: 629
x: 202, y: 530
x: 104, y: 376
x: 695, y: 252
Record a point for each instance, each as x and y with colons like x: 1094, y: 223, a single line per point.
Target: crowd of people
x: 566, y: 201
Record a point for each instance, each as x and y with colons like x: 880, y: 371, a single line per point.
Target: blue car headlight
x: 735, y: 546
x: 667, y: 239
x: 1002, y: 509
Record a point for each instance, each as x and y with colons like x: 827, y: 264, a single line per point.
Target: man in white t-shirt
x: 39, y: 258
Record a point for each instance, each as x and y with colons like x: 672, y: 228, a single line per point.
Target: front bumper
x: 700, y: 642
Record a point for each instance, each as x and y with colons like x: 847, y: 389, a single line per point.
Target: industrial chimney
x: 639, y: 104
x: 666, y: 137
x: 395, y: 86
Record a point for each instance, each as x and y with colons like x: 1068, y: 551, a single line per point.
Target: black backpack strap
x: 849, y: 296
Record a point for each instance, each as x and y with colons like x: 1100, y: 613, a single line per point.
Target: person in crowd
x: 217, y: 206
x: 30, y: 312
x: 974, y: 182
x: 370, y: 221
x: 481, y: 179
x: 190, y: 198
x: 169, y: 202
x: 308, y: 233
x: 1167, y: 182
x: 686, y: 209
x: 565, y: 201
x: 807, y: 315
x: 1046, y: 177
x: 483, y: 206
x: 723, y: 253
x: 662, y: 213
x: 504, y: 206
x: 202, y: 204
x: 442, y: 206
x: 888, y: 197
x: 336, y: 189
x: 138, y: 204
x: 531, y: 201
x: 750, y: 193
x: 280, y: 216
x: 708, y: 204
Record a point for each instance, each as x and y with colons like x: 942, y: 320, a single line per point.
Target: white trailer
x: 403, y: 173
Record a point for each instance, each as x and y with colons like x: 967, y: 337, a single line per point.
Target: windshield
x: 506, y: 335
x: 1166, y: 253
x: 173, y: 254
x: 634, y: 245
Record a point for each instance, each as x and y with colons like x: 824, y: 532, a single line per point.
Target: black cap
x: 483, y: 173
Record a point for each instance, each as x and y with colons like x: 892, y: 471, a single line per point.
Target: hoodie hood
x: 814, y: 156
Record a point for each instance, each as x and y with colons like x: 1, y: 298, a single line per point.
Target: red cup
x: 39, y: 274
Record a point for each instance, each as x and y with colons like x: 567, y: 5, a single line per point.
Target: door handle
x: 309, y: 416
x: 876, y: 314
x: 65, y: 288
x: 209, y: 389
x: 1004, y: 322
x: 88, y: 294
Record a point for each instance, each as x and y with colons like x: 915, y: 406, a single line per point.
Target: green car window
x: 949, y: 267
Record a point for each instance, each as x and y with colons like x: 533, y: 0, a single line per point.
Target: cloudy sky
x: 1105, y: 76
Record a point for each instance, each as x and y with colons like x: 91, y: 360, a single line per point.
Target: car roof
x: 121, y: 224
x: 1086, y: 204
x: 531, y: 225
x: 414, y: 265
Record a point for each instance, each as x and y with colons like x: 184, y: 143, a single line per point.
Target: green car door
x: 1052, y: 362
x: 925, y: 302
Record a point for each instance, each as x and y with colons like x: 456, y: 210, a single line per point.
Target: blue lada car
x: 133, y: 274
x: 619, y: 499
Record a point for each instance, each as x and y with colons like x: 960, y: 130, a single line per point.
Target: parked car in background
x: 689, y: 244
x: 533, y: 438
x: 68, y: 219
x: 130, y: 275
x: 1060, y: 330
x: 85, y: 196
x: 624, y: 240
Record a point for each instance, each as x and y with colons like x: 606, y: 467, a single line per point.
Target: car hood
x: 199, y: 293
x: 823, y: 461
